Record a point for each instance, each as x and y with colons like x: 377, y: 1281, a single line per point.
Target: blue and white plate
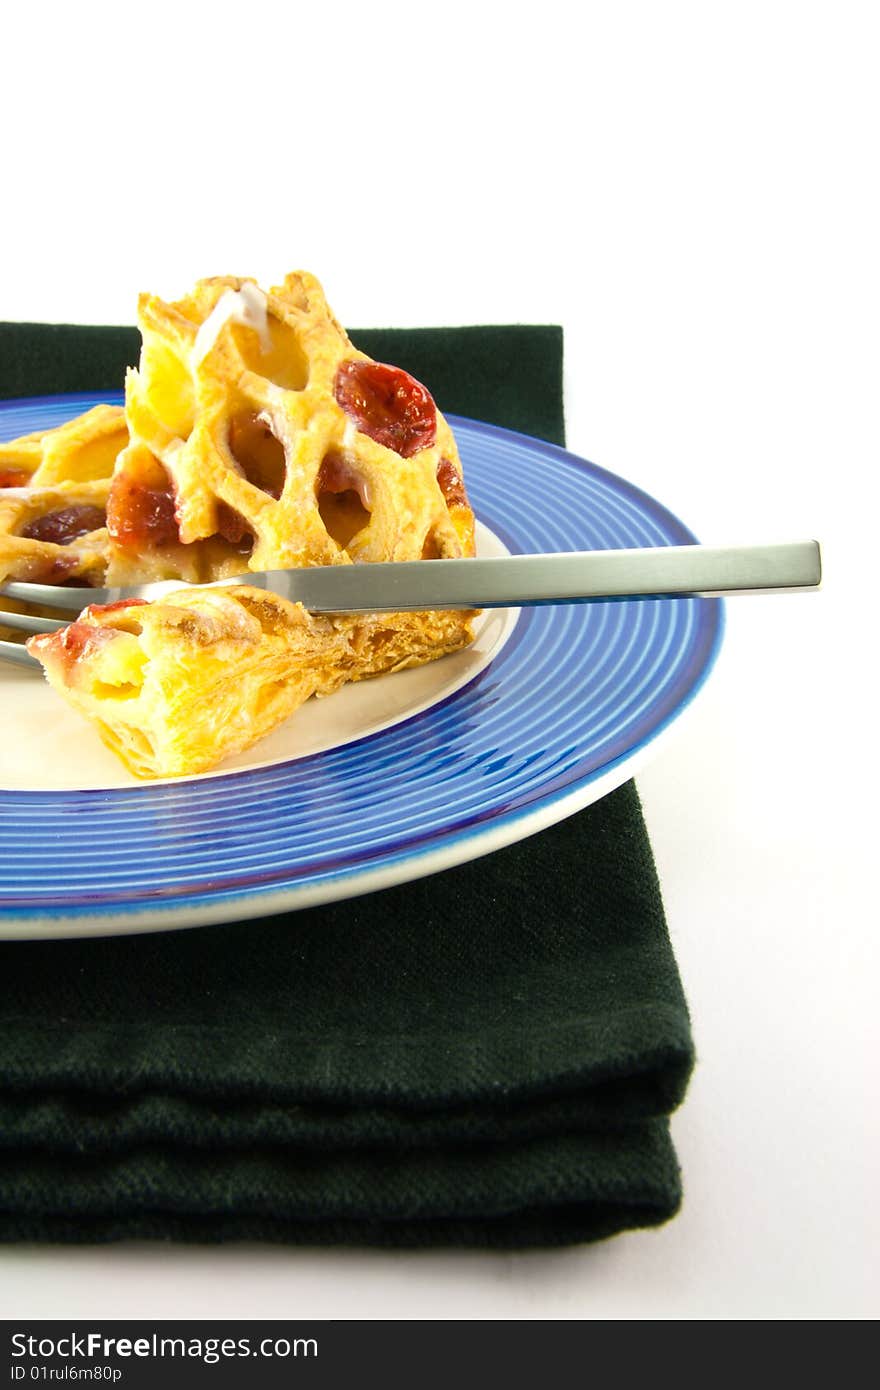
x: 386, y: 780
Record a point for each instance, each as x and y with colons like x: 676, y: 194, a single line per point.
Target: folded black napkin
x: 486, y: 1057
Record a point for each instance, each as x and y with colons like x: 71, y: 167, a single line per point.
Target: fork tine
x: 70, y: 600
x: 11, y: 651
x: 28, y: 622
x: 73, y: 600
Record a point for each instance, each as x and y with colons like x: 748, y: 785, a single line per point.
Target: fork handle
x: 503, y: 581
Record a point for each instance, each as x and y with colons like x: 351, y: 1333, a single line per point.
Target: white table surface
x: 690, y: 190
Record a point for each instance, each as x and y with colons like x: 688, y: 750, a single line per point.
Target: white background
x: 691, y: 191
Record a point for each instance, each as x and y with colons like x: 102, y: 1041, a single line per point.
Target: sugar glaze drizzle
x: 246, y: 306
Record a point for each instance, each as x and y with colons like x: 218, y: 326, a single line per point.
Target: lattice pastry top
x: 254, y: 436
x: 54, y: 487
x: 262, y: 439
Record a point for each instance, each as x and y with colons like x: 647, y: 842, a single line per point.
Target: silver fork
x: 511, y: 581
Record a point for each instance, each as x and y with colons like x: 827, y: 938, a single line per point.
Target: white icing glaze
x: 275, y: 423
x: 247, y: 306
x: 343, y: 475
x: 350, y: 434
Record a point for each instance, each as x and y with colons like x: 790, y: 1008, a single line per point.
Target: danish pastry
x: 173, y: 687
x: 53, y: 497
x: 254, y: 436
x: 262, y: 439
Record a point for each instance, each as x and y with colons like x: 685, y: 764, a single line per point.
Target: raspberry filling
x: 73, y: 643
x: 138, y: 515
x: 14, y: 477
x: 387, y: 404
x: 451, y: 484
x: 232, y: 526
x: 64, y: 526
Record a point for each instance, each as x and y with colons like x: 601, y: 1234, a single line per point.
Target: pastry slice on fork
x: 175, y: 686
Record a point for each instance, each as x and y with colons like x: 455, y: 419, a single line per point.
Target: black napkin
x: 486, y: 1057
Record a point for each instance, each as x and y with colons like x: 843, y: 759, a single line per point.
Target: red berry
x: 139, y: 515
x: 451, y: 484
x: 387, y: 404
x: 64, y: 526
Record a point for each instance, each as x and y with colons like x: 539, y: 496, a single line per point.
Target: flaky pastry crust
x: 173, y: 687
